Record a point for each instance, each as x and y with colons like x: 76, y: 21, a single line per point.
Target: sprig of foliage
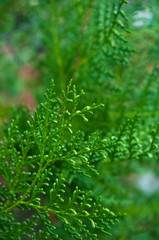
x: 33, y: 158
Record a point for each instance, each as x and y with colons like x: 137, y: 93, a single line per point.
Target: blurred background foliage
x: 41, y: 40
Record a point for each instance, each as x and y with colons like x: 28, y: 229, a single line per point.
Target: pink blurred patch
x: 28, y: 99
x: 6, y: 49
x: 28, y: 72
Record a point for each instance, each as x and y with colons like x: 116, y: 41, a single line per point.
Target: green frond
x: 32, y: 161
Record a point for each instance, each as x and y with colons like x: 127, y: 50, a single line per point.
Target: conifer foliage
x: 33, y: 164
x: 70, y: 169
x: 38, y: 159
